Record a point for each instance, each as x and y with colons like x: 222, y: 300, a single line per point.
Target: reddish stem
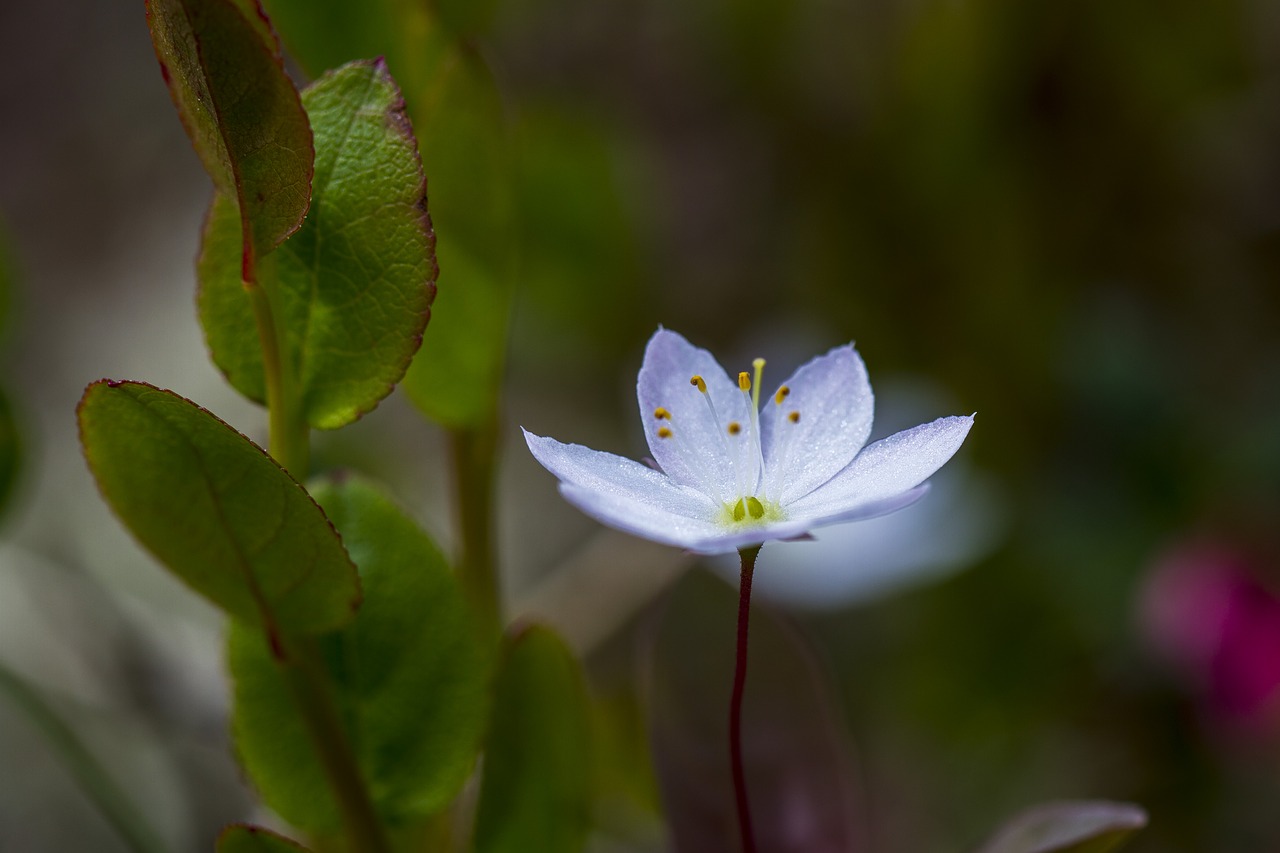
x: 735, y: 704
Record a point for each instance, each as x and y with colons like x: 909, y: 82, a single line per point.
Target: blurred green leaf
x: 222, y: 65
x: 216, y: 510
x: 457, y: 377
x: 1068, y: 827
x: 89, y: 774
x: 352, y: 289
x: 409, y: 674
x: 799, y: 768
x: 10, y: 451
x: 536, y: 793
x: 241, y: 838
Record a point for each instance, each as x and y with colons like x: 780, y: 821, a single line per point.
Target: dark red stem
x: 735, y: 704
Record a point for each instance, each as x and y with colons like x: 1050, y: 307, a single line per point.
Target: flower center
x: 750, y: 502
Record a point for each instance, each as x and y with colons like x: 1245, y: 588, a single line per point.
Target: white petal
x: 594, y: 471
x: 832, y: 396
x: 645, y: 520
x: 699, y: 452
x: 885, y: 469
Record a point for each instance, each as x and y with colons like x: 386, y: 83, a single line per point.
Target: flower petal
x: 883, y: 470
x: 832, y: 398
x: 698, y: 452
x: 607, y: 474
x: 646, y: 520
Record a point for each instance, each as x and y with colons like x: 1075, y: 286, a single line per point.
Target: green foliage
x: 352, y: 289
x: 409, y: 674
x: 223, y: 68
x: 216, y: 510
x: 536, y: 793
x: 254, y: 839
x: 462, y: 134
x: 1068, y: 827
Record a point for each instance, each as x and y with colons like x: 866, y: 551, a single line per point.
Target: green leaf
x: 352, y: 290
x: 223, y: 68
x: 463, y: 135
x: 409, y: 675
x: 1085, y: 826
x: 242, y: 838
x: 215, y: 509
x: 457, y: 377
x: 536, y: 792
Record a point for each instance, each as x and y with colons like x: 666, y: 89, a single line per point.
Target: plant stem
x: 475, y: 451
x: 290, y: 436
x: 303, y: 669
x: 748, y: 556
x: 299, y: 658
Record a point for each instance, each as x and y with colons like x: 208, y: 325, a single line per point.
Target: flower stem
x: 748, y: 556
x: 475, y: 451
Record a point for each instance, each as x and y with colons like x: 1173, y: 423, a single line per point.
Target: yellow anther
x: 696, y: 381
x: 794, y: 417
x: 744, y: 381
x: 664, y: 432
x: 661, y: 414
x: 754, y: 508
x: 781, y: 395
x: 735, y: 428
x: 739, y: 510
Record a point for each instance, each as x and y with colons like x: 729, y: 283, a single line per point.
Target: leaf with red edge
x: 242, y: 838
x: 216, y: 510
x: 223, y: 67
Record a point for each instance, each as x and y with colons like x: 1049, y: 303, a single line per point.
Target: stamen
x: 734, y: 428
x: 664, y: 432
x: 697, y: 382
x: 794, y: 417
x: 748, y: 506
x: 782, y: 394
x: 744, y: 381
x: 661, y: 414
x: 758, y: 366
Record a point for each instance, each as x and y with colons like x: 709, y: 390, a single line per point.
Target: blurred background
x: 1064, y: 216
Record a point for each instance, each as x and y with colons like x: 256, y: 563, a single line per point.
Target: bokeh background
x: 1064, y: 216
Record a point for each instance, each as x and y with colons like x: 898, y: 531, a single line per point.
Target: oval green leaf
x: 242, y: 838
x: 223, y: 68
x: 409, y: 676
x: 352, y: 290
x: 536, y: 793
x: 216, y: 510
x: 1089, y: 826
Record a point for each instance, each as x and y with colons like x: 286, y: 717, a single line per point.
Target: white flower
x: 732, y: 475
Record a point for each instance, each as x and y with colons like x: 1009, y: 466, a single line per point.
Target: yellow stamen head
x: 664, y: 432
x: 661, y: 414
x: 794, y: 417
x: 735, y: 428
x: 781, y: 395
x: 744, y: 381
x: 696, y: 382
